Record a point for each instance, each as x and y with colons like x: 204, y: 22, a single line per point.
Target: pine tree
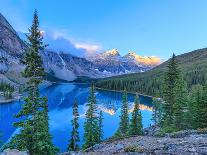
x: 34, y: 128
x: 124, y: 118
x: 171, y: 76
x: 157, y: 111
x: 180, y: 106
x: 136, y: 120
x: 198, y: 106
x: 91, y: 122
x: 196, y: 96
x: 100, y: 127
x: 203, y: 109
x: 73, y: 146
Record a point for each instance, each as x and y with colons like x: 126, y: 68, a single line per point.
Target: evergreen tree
x: 136, y: 120
x: 171, y: 76
x: 180, y: 106
x: 34, y: 129
x: 196, y: 96
x: 198, y: 106
x: 91, y: 122
x: 203, y: 109
x: 73, y: 146
x: 100, y: 127
x: 124, y: 118
x: 157, y: 111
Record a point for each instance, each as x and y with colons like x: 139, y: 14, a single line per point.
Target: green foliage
x: 91, y: 124
x: 73, y: 145
x: 198, y: 106
x: 203, y: 109
x: 157, y: 111
x: 136, y: 120
x: 193, y: 66
x: 124, y: 118
x: 100, y: 127
x: 180, y: 106
x: 34, y: 128
x: 194, y: 108
x: 7, y: 89
x: 171, y: 76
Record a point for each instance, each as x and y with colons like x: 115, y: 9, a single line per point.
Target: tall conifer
x: 180, y: 106
x: 73, y: 146
x: 34, y: 129
x: 136, y: 120
x: 196, y: 96
x: 100, y: 127
x: 171, y: 75
x: 91, y: 121
x: 124, y: 118
x: 157, y: 111
x: 202, y: 115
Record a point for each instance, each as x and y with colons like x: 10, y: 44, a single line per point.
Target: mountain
x: 11, y: 50
x: 112, y: 63
x: 67, y: 67
x: 60, y: 64
x: 9, y: 40
x: 147, y: 61
x: 193, y: 66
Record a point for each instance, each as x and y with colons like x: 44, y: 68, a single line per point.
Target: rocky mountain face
x: 112, y: 63
x: 11, y: 50
x: 9, y: 40
x: 63, y: 65
x: 67, y: 67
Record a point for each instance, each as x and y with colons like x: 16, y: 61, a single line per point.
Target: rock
x: 13, y: 152
x: 187, y: 144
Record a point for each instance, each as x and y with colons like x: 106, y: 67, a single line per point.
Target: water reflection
x: 60, y: 101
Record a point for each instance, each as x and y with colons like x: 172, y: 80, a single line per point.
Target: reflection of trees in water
x: 111, y: 107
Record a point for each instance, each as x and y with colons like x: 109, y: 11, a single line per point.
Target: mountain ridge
x: 192, y: 65
x: 58, y: 63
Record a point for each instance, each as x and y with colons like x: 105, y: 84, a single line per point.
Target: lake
x: 60, y: 101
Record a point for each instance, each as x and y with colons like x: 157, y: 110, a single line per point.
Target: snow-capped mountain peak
x: 144, y: 60
x: 113, y: 52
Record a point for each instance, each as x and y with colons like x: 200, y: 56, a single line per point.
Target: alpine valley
x: 61, y: 65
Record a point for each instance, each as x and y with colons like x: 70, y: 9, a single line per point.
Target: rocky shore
x: 190, y: 142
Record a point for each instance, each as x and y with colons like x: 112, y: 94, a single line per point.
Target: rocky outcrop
x: 9, y: 40
x: 13, y: 152
x: 189, y: 142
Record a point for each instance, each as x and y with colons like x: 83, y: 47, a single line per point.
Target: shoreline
x: 121, y: 91
x: 16, y: 98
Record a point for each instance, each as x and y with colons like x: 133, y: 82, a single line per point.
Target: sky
x: 148, y: 27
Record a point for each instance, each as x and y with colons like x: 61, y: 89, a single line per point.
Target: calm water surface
x: 60, y: 101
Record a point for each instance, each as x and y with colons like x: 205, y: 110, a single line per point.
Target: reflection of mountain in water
x: 110, y: 110
x: 60, y: 101
x: 63, y: 95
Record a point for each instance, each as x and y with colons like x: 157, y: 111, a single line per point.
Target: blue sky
x: 148, y: 27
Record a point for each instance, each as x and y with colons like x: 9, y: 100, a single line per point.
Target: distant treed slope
x: 193, y: 66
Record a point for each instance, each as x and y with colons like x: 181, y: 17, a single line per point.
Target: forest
x: 192, y: 65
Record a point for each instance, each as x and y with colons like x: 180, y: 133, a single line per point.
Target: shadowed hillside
x: 193, y: 65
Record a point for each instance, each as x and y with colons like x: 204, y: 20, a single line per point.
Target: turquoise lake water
x: 60, y: 101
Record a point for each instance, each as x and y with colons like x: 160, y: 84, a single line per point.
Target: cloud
x: 59, y: 39
x: 91, y: 48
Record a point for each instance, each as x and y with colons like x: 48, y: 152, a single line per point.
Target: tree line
x: 7, y: 89
x: 180, y: 109
x: 193, y: 66
x: 33, y: 124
